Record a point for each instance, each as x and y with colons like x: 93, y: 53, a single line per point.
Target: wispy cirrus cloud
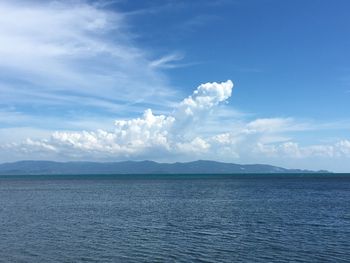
x: 73, y: 54
x: 168, y: 61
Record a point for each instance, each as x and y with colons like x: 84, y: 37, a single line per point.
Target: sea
x: 175, y: 218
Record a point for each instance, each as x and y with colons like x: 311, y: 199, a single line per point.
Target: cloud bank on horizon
x: 174, y: 136
x: 69, y: 69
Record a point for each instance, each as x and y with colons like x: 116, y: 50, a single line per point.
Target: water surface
x: 200, y: 218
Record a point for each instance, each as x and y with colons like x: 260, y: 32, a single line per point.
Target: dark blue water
x: 175, y: 219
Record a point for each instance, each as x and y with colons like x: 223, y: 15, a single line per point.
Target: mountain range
x: 139, y: 167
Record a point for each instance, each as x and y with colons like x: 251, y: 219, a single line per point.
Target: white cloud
x: 71, y: 55
x: 196, y: 146
x: 268, y: 125
x: 38, y: 145
x: 139, y: 137
x: 176, y: 135
x: 167, y: 61
x: 205, y: 97
x: 344, y: 147
x: 183, y: 135
x: 195, y: 109
x: 340, y: 149
x: 274, y: 125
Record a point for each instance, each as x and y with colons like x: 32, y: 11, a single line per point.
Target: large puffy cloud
x: 205, y: 97
x: 176, y: 136
x: 130, y: 137
x: 148, y: 135
x: 144, y: 132
x: 196, y: 146
x: 194, y: 110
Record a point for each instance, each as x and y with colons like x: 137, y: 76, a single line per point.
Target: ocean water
x: 192, y: 218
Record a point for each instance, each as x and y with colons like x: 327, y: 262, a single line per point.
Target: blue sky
x: 117, y: 80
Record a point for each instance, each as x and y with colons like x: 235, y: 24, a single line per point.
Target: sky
x: 243, y: 81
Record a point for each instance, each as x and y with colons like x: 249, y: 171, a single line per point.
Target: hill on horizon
x: 140, y: 167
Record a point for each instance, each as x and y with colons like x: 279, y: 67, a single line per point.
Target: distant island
x: 140, y: 167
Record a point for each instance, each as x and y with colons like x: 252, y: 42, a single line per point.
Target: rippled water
x: 175, y: 219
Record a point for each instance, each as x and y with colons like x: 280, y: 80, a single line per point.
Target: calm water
x: 174, y: 219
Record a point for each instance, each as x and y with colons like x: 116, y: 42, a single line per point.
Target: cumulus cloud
x: 174, y: 136
x: 149, y: 131
x: 149, y: 134
x: 344, y: 147
x: 205, y: 97
x: 196, y: 146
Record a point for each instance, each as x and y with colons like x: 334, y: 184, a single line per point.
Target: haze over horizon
x: 231, y: 81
